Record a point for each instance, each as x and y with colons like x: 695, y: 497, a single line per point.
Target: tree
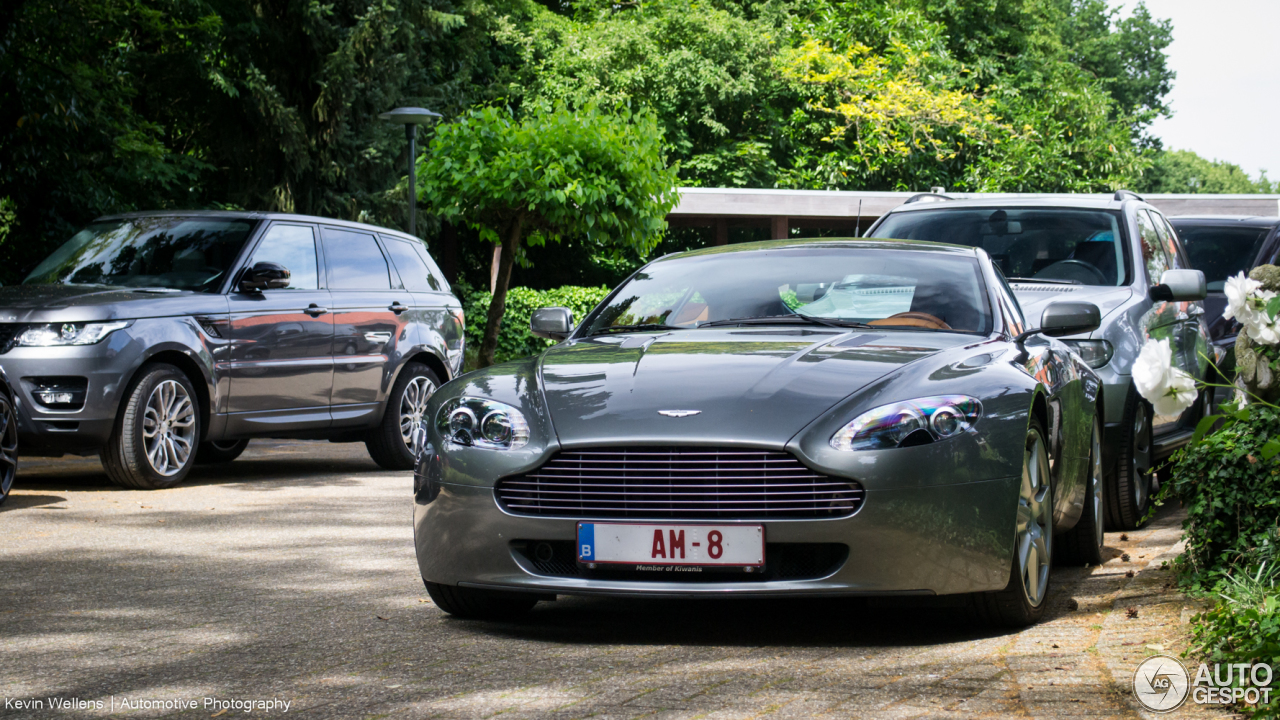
x: 591, y: 173
x: 1183, y: 171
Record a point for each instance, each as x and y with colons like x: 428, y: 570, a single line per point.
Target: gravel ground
x: 289, y: 575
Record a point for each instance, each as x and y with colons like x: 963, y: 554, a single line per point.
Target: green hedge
x: 514, y: 339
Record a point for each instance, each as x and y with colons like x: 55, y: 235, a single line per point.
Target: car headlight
x: 481, y: 423
x: 58, y: 334
x: 1094, y: 353
x: 908, y: 423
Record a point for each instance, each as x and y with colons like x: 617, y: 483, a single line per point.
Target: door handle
x: 315, y: 310
x: 397, y: 308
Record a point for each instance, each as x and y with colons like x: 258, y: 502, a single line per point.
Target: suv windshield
x: 1221, y: 252
x: 819, y: 284
x: 168, y: 252
x: 1080, y: 247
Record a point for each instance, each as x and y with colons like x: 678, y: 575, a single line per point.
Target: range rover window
x: 413, y: 272
x: 181, y: 253
x: 355, y: 261
x: 293, y: 246
x: 1050, y: 245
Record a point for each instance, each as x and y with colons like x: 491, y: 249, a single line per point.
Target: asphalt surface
x: 289, y: 576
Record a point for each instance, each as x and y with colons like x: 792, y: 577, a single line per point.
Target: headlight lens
x: 1095, y: 353
x: 913, y: 422
x: 481, y: 423
x: 67, y: 334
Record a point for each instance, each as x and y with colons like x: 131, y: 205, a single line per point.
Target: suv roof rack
x: 926, y: 197
x: 1121, y: 194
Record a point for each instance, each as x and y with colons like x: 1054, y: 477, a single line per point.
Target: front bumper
x: 931, y: 540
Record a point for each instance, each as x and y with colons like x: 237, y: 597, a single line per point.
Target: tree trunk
x: 499, y: 304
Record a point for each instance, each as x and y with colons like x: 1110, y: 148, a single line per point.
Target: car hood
x: 1034, y: 298
x: 90, y: 303
x: 749, y: 386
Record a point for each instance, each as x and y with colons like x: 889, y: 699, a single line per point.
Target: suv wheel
x: 220, y: 451
x: 391, y: 443
x: 154, y: 440
x: 1129, y: 493
x: 8, y: 445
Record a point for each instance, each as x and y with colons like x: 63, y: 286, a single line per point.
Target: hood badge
x: 679, y: 413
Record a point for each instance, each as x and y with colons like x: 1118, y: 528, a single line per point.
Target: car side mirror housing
x: 264, y: 276
x: 1179, y: 286
x: 1070, y: 318
x: 552, y: 323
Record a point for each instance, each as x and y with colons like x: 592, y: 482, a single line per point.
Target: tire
x: 8, y: 444
x: 1084, y: 543
x: 1022, y: 602
x: 161, y: 394
x: 390, y: 444
x: 220, y: 451
x: 473, y: 604
x: 1129, y: 492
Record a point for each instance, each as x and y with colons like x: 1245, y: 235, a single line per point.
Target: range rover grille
x: 678, y: 484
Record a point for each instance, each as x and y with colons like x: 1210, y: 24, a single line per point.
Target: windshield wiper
x: 641, y: 327
x: 1045, y: 281
x: 793, y: 317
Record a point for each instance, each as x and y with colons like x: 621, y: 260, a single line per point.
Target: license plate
x: 659, y: 547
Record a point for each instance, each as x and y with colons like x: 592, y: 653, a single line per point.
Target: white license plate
x: 660, y: 546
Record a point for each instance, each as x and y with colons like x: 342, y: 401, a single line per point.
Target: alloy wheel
x: 1141, y: 458
x: 169, y: 428
x: 8, y: 445
x: 413, y: 406
x: 1035, y: 521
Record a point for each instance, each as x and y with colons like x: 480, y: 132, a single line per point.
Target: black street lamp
x: 411, y: 118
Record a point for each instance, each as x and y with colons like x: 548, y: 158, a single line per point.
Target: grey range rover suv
x: 158, y: 340
x: 1117, y: 252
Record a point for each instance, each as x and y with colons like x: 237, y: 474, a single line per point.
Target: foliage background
x: 516, y: 341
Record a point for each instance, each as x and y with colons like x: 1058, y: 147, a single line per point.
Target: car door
x: 370, y: 312
x: 434, y: 306
x: 1165, y: 320
x: 281, y: 359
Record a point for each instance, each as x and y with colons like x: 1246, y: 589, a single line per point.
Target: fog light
x: 59, y: 393
x: 51, y: 397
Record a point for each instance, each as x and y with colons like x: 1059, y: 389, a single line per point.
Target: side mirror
x: 264, y: 276
x: 552, y: 323
x: 1179, y: 286
x: 1070, y: 318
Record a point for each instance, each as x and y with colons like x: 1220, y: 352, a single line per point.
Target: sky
x: 1226, y: 98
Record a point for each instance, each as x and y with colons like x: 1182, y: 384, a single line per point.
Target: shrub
x: 515, y: 340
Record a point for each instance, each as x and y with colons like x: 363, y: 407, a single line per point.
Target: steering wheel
x: 1069, y: 265
x: 913, y: 319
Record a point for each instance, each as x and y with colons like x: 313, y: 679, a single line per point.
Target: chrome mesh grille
x: 678, y: 484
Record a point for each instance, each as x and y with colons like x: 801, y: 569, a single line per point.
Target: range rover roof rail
x: 1121, y: 194
x: 927, y: 197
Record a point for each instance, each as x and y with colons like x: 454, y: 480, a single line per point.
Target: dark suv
x: 162, y: 339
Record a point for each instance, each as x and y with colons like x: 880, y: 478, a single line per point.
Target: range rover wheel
x: 220, y: 451
x: 1129, y: 492
x: 474, y: 604
x: 391, y: 443
x: 8, y: 444
x: 1083, y: 544
x: 1023, y: 600
x: 153, y: 443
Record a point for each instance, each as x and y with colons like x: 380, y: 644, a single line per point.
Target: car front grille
x: 678, y: 484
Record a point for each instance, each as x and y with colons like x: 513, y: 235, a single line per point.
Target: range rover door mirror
x: 1179, y: 286
x: 264, y: 276
x: 552, y: 323
x: 1070, y: 318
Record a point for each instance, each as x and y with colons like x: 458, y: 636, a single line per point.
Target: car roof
x: 1258, y: 221
x: 1081, y: 202
x: 874, y: 243
x: 259, y: 215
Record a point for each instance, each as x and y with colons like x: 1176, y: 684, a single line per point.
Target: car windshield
x: 1080, y: 247
x: 1221, y: 252
x: 821, y: 285
x: 166, y: 252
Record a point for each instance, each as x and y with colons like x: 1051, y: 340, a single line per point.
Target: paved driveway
x: 289, y: 575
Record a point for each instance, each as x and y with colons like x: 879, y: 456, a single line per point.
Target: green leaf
x: 1206, y: 423
x: 1273, y: 307
x: 1270, y: 449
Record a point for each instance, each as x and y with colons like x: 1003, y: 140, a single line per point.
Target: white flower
x: 1167, y: 388
x: 1238, y: 289
x: 1257, y: 322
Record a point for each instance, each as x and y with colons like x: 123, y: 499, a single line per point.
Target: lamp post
x: 411, y: 118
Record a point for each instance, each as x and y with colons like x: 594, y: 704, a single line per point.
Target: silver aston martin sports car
x: 832, y: 417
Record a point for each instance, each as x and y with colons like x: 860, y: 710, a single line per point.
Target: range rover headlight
x: 912, y: 422
x: 1095, y: 353
x: 481, y: 423
x: 58, y: 334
